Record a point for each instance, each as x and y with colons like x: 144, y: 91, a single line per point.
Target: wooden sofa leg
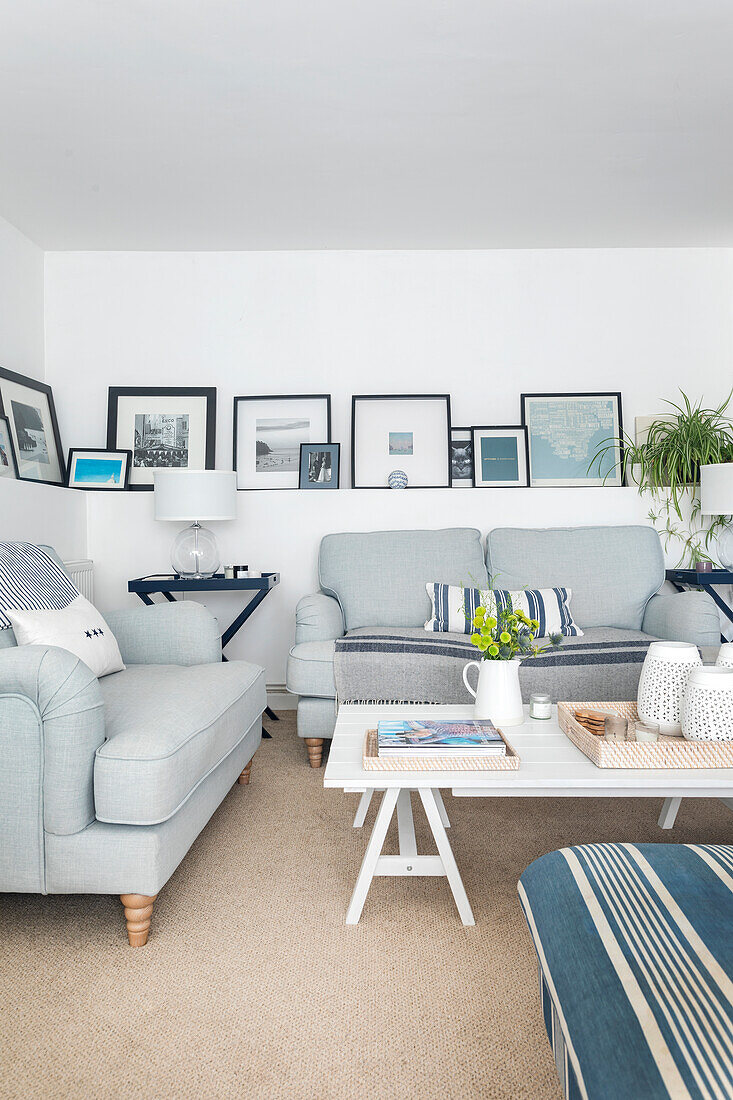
x: 138, y: 910
x: 315, y: 750
x: 244, y: 777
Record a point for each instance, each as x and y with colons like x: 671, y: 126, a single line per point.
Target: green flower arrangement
x: 507, y: 634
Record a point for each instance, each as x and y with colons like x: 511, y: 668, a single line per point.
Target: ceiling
x: 294, y: 124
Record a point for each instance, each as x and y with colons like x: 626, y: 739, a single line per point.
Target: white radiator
x: 82, y: 574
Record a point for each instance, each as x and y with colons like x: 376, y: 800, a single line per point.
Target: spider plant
x: 667, y: 465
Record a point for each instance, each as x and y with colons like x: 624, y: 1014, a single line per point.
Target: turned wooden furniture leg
x: 315, y: 750
x: 244, y: 777
x: 138, y: 910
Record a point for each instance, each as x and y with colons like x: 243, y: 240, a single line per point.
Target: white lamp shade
x: 195, y: 494
x: 716, y: 489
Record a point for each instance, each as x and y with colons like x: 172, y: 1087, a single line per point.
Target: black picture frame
x: 335, y: 450
x: 206, y: 392
x: 467, y: 481
x: 325, y: 397
x: 520, y: 430
x: 99, y: 451
x: 614, y: 395
x: 47, y: 392
x: 11, y: 455
x: 445, y: 397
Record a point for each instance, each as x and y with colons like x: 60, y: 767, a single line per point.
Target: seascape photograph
x: 278, y: 440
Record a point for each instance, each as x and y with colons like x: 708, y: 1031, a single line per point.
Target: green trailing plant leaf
x: 667, y: 466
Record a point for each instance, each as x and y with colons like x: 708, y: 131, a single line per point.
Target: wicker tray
x: 668, y: 752
x: 372, y: 762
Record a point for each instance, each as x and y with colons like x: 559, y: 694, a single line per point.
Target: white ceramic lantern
x: 707, y: 708
x: 663, y: 681
x: 725, y: 656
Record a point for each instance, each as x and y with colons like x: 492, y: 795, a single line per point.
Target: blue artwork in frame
x: 319, y: 465
x: 500, y: 456
x: 98, y: 469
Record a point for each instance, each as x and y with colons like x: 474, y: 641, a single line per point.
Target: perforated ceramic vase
x: 707, y: 709
x: 725, y: 656
x: 663, y: 681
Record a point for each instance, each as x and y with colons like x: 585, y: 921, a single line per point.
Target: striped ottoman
x: 635, y: 950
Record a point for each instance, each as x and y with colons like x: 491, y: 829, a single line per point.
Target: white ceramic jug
x: 497, y: 695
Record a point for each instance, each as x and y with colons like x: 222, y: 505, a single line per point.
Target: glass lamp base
x: 725, y: 548
x: 194, y: 553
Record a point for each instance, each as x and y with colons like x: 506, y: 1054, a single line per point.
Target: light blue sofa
x: 372, y: 587
x: 105, y: 784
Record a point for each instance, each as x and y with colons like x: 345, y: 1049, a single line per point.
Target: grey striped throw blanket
x: 413, y: 665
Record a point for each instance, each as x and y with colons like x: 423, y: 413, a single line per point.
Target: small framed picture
x: 461, y: 458
x: 268, y: 432
x: 168, y: 427
x: 108, y: 471
x: 8, y: 462
x: 319, y: 465
x: 29, y: 408
x: 500, y: 459
x: 566, y: 431
x: 407, y: 432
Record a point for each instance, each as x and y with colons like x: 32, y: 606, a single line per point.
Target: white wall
x: 28, y: 511
x: 21, y: 303
x: 484, y: 326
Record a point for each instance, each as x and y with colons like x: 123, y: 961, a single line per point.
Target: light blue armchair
x: 105, y: 784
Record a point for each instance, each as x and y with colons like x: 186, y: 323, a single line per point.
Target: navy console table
x: 708, y: 581
x: 167, y: 584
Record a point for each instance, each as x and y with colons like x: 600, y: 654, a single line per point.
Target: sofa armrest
x: 318, y: 618
x: 683, y: 617
x: 181, y: 633
x: 51, y: 725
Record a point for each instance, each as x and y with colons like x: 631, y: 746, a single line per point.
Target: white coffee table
x: 551, y: 766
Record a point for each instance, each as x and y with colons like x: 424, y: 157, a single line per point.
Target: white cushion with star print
x: 78, y: 627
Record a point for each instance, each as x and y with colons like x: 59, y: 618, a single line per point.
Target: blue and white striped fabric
x: 30, y: 580
x: 635, y: 947
x: 454, y: 608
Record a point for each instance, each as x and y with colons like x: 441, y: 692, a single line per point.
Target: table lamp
x: 195, y: 495
x: 716, y: 499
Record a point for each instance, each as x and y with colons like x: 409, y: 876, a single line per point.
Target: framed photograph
x: 164, y: 428
x: 319, y: 465
x: 268, y: 432
x: 461, y: 458
x: 565, y: 431
x: 31, y: 415
x: 409, y: 432
x: 107, y: 471
x: 8, y: 461
x: 501, y: 459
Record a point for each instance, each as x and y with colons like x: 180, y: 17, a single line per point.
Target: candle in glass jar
x: 540, y: 706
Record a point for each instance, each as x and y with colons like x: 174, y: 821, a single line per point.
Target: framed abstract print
x: 106, y: 471
x: 565, y: 433
x: 319, y: 465
x: 29, y: 409
x: 268, y: 432
x: 408, y: 432
x: 500, y: 457
x: 165, y: 428
x: 8, y: 462
x: 461, y: 458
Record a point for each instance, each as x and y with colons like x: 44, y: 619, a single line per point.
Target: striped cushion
x: 454, y: 608
x: 635, y: 947
x: 30, y: 580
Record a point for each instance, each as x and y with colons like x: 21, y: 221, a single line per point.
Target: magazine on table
x: 427, y: 737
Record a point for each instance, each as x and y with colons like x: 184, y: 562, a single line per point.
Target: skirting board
x: 279, y: 698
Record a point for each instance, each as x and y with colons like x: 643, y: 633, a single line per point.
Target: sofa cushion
x: 310, y: 669
x: 613, y: 571
x: 167, y: 727
x: 412, y: 665
x: 379, y: 577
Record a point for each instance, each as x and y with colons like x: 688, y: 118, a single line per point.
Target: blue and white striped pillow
x: 454, y: 608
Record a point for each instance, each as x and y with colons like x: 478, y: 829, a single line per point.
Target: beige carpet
x: 251, y: 984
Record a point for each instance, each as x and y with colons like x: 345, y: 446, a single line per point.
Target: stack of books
x: 428, y: 738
